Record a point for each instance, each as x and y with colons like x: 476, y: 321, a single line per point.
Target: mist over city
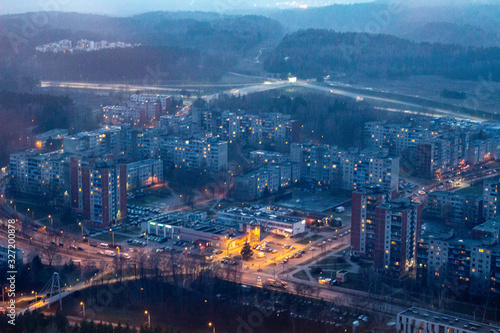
x: 249, y: 166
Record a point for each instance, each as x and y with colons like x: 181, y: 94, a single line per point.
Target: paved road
x: 265, y: 86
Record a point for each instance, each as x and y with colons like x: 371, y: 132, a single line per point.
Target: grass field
x: 301, y: 275
x: 309, y: 239
x: 474, y: 189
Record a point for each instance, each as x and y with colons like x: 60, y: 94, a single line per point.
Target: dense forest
x: 312, y: 53
x: 174, y: 46
x: 143, y: 65
x: 22, y: 114
x: 326, y: 119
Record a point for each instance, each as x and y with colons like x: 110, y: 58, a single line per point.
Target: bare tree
x: 49, y: 252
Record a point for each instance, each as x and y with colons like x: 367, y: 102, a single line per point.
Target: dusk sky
x: 129, y: 7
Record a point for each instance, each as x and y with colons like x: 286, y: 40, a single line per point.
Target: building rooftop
x: 492, y: 225
x: 399, y: 204
x: 278, y: 215
x: 449, y: 320
x: 371, y: 189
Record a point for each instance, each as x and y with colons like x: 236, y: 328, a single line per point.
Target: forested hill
x: 468, y: 23
x: 175, y: 46
x: 313, y: 53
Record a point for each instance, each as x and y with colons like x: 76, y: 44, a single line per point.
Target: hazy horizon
x: 120, y: 7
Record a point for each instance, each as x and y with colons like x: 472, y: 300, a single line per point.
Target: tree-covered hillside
x: 313, y: 53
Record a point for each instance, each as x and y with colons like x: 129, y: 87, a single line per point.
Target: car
x: 312, y: 248
x: 81, y: 248
x: 218, y: 252
x: 320, y: 245
x: 302, y: 251
x: 275, y: 251
x: 225, y: 262
x: 100, y: 252
x: 72, y: 247
x: 61, y: 244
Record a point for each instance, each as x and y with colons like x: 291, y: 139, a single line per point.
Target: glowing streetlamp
x: 83, y: 309
x: 149, y: 318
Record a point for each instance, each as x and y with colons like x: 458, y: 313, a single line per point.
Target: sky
x: 130, y: 7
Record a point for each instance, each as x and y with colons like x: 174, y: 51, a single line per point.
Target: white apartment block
x: 360, y: 169
x: 322, y: 164
x: 39, y: 174
x: 396, y: 137
x: 144, y: 173
x: 209, y: 154
x: 145, y: 98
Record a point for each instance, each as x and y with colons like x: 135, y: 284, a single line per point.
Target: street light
x: 113, y: 236
x: 80, y: 224
x: 83, y: 306
x: 51, y: 223
x: 149, y: 318
x: 213, y: 327
x: 36, y: 295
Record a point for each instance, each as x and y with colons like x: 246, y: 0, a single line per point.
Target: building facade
x: 397, y: 227
x: 99, y: 190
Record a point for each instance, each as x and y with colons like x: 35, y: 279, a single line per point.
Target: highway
x: 269, y: 84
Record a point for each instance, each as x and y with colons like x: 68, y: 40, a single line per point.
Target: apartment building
x: 164, y: 100
x: 99, y: 190
x: 364, y: 204
x: 144, y: 173
x: 395, y: 137
x: 265, y: 157
x: 454, y: 208
x: 460, y: 260
x: 491, y: 190
x: 205, y: 154
x: 322, y: 164
x: 269, y: 128
x: 44, y: 175
x: 397, y: 227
